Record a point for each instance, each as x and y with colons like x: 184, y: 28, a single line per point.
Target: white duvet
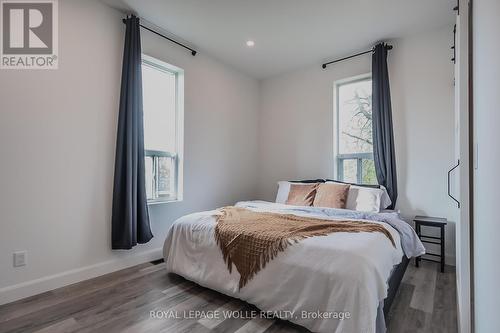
x: 314, y: 283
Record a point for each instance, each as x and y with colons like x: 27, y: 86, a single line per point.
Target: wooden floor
x: 122, y: 301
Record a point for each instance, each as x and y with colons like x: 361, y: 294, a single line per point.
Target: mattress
x: 333, y: 283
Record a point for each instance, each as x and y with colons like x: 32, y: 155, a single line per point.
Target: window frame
x: 178, y: 155
x: 338, y: 165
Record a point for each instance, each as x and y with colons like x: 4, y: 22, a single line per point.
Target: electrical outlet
x: 19, y: 258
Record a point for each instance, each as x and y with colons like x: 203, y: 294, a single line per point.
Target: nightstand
x: 437, y: 222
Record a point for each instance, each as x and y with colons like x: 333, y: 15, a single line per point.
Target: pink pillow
x: 331, y: 195
x: 301, y: 195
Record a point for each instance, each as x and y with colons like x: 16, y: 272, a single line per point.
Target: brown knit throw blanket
x: 250, y: 239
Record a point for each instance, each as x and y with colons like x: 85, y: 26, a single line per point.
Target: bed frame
x: 394, y: 282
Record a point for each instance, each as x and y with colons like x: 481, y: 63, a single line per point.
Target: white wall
x: 486, y: 226
x: 296, y: 124
x: 57, y: 142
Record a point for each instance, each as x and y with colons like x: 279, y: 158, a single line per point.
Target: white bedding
x: 338, y: 274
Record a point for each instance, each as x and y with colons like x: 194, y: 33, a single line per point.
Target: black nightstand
x: 437, y: 222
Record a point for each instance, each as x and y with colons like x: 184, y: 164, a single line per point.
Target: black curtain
x: 130, y: 217
x: 383, y: 136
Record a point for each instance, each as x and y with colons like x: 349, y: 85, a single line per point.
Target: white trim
x: 162, y: 201
x: 463, y: 232
x: 157, y: 63
x: 51, y: 282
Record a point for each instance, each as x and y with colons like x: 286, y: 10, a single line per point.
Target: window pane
x: 350, y: 171
x: 166, y: 176
x: 159, y: 93
x: 355, y: 117
x: 369, y: 176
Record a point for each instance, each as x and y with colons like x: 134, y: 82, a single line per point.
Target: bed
x: 342, y: 282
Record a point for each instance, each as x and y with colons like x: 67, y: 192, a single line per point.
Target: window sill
x: 162, y: 201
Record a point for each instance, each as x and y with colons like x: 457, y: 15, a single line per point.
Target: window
x: 353, y: 134
x: 162, y: 88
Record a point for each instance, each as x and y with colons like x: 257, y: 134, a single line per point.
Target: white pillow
x: 364, y: 199
x: 284, y: 189
x: 367, y: 199
x: 385, y: 200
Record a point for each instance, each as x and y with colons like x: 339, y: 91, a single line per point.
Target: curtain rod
x: 387, y: 47
x: 193, y: 52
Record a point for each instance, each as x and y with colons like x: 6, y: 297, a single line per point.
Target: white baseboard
x: 51, y: 282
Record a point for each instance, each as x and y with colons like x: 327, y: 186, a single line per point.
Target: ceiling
x: 288, y: 33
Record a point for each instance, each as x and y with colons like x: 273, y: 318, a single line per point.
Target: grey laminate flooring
x: 122, y: 301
